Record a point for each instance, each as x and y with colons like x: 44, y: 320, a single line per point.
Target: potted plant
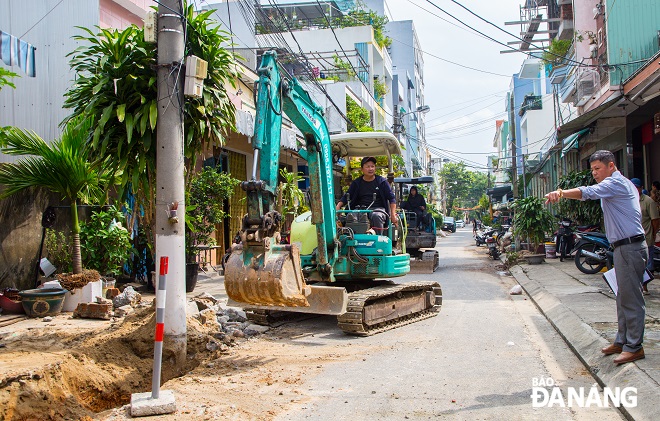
x: 531, y: 220
x: 556, y: 52
x: 207, y: 190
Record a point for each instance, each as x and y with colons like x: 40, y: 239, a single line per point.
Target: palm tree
x: 63, y: 166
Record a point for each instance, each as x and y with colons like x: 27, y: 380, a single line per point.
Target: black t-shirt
x: 362, y: 193
x: 366, y: 194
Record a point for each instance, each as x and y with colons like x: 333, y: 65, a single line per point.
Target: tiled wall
x: 113, y: 15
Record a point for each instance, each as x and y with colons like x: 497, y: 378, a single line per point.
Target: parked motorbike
x: 481, y: 236
x: 593, y: 252
x: 565, y: 236
x: 564, y: 242
x: 493, y: 249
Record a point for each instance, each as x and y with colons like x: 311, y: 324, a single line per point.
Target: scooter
x: 493, y: 249
x: 481, y: 237
x: 593, y: 252
x: 564, y: 242
x: 565, y: 236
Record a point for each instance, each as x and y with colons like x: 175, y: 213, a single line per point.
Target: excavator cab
x: 357, y: 145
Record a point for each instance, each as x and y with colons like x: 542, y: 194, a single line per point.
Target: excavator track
x: 382, y: 308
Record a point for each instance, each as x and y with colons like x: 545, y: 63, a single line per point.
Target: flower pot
x: 42, y: 302
x: 86, y: 294
x: 192, y: 271
x: 10, y: 306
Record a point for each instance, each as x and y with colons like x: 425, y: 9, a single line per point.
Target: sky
x: 464, y: 103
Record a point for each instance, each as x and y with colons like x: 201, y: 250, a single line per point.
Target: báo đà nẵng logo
x: 546, y: 393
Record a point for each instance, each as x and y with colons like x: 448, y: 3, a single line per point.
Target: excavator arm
x: 260, y: 270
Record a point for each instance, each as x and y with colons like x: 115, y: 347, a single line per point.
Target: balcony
x: 531, y: 102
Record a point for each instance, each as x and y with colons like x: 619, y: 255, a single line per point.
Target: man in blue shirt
x: 622, y: 214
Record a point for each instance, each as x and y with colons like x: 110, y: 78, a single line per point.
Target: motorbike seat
x: 596, y: 234
x: 587, y: 227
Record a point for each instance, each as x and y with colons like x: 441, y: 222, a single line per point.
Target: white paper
x: 610, y: 278
x: 648, y: 276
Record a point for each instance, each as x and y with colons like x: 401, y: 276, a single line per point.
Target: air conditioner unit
x: 588, y: 82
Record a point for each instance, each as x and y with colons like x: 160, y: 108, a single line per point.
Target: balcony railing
x: 531, y: 102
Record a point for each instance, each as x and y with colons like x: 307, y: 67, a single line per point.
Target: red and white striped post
x: 160, y: 326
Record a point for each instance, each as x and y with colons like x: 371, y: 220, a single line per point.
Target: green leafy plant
x: 291, y: 198
x: 344, y: 67
x: 361, y: 15
x: 65, y: 166
x: 105, y: 244
x: 557, y: 50
x: 58, y: 247
x: 207, y: 190
x: 5, y: 78
x: 116, y: 87
x: 358, y: 116
x: 380, y: 88
x: 531, y: 220
x: 512, y: 258
x: 583, y: 212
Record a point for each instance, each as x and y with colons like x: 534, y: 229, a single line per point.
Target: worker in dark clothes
x: 415, y: 203
x: 373, y: 192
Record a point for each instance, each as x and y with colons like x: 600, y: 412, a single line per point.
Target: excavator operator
x: 416, y: 203
x: 371, y: 191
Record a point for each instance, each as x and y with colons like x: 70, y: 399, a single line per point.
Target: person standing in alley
x: 650, y: 222
x: 623, y: 226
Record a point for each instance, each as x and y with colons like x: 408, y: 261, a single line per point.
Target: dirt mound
x: 60, y: 375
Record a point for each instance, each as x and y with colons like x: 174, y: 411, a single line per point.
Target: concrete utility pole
x: 514, y: 150
x: 170, y: 230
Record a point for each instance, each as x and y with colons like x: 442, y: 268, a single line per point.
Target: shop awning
x: 571, y: 142
x: 587, y: 118
x: 497, y: 193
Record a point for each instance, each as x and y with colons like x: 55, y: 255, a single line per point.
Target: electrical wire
x: 42, y: 18
x: 452, y: 62
x: 344, y: 52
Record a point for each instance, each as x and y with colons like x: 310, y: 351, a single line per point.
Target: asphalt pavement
x: 583, y: 310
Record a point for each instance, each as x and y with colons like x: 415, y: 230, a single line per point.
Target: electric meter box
x: 196, y: 67
x: 150, y: 23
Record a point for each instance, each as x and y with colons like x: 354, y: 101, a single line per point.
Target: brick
x: 112, y: 293
x: 93, y: 311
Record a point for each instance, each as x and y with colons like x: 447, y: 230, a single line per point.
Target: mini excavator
x: 335, y: 264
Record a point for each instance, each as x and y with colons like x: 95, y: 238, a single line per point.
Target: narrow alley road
x: 477, y: 359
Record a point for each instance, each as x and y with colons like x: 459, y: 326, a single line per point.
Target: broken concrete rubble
x: 128, y: 297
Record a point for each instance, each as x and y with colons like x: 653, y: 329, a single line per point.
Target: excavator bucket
x: 271, y: 278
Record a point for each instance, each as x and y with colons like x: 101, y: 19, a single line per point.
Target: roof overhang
x: 644, y: 84
x: 497, y: 193
x: 571, y: 142
x: 415, y: 180
x: 604, y: 110
x: 365, y: 144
